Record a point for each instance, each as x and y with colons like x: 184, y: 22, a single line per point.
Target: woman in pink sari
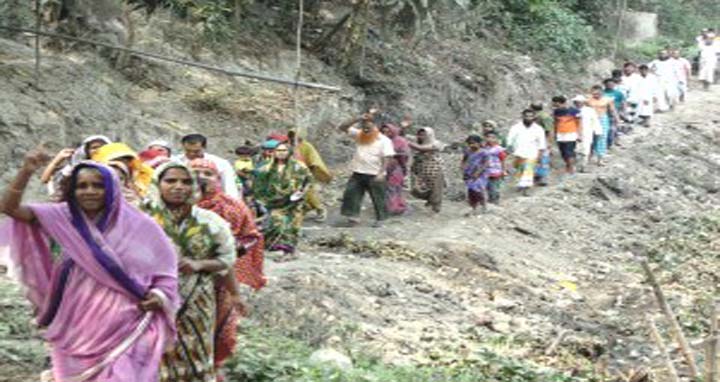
x: 107, y: 297
x: 396, y: 170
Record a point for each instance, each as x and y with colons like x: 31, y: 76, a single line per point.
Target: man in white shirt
x: 373, y: 150
x: 589, y: 128
x: 683, y: 69
x: 194, y: 146
x: 646, y: 95
x: 527, y: 143
x: 630, y: 79
x: 709, y: 50
x: 664, y: 68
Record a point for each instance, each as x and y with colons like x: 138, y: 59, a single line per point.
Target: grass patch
x: 265, y: 356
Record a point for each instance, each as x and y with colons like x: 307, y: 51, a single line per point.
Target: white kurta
x: 668, y: 82
x: 630, y: 83
x: 647, y: 89
x: 708, y: 62
x: 527, y: 142
x: 590, y: 124
x: 683, y: 69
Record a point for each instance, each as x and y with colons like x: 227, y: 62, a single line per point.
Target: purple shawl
x: 88, y: 298
x: 475, y: 171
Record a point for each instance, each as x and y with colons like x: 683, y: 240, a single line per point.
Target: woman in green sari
x: 206, y: 247
x: 281, y: 185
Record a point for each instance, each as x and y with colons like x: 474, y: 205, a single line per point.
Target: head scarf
x: 202, y: 163
x: 153, y: 157
x: 113, y: 151
x: 431, y: 141
x: 162, y: 143
x: 154, y: 195
x: 81, y: 153
x: 270, y: 144
x: 122, y: 167
x: 141, y: 172
x: 128, y: 189
x: 282, y: 138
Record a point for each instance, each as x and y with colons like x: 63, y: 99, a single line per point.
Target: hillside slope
x: 425, y: 290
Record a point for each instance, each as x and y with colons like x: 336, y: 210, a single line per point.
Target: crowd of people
x: 135, y: 267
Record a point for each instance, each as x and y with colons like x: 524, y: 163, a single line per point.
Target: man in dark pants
x: 372, y: 152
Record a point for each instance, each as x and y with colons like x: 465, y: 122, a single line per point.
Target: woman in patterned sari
x: 206, y: 249
x: 107, y: 297
x: 427, y: 169
x: 280, y: 185
x: 397, y: 170
x: 249, y: 265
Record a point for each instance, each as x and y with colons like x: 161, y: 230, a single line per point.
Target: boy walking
x: 567, y: 131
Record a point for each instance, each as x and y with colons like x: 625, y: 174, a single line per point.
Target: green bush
x: 16, y: 13
x: 213, y: 16
x: 264, y: 356
x: 553, y: 31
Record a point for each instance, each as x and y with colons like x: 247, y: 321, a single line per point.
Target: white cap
x: 579, y: 98
x: 161, y: 143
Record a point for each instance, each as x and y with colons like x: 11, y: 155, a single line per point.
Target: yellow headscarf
x: 142, y: 173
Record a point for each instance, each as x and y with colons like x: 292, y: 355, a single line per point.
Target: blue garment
x: 601, y: 143
x: 474, y: 172
x: 617, y: 96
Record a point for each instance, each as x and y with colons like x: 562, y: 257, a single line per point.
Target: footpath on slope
x: 434, y: 288
x: 431, y: 289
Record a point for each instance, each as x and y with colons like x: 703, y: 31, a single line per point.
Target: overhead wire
x: 236, y: 73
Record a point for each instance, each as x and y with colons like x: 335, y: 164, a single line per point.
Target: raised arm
x: 10, y: 204
x: 369, y: 116
x: 345, y: 126
x: 422, y: 148
x: 55, y: 164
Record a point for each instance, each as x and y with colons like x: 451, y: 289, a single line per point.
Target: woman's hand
x: 151, y: 303
x: 64, y: 154
x: 188, y: 267
x: 35, y: 159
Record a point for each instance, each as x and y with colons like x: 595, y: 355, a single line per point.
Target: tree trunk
x: 355, y: 37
